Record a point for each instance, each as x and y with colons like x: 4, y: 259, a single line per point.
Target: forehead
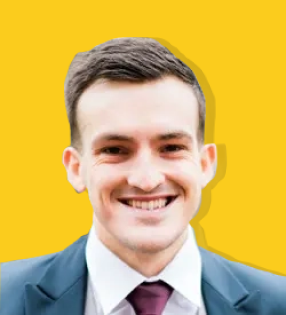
x: 138, y: 109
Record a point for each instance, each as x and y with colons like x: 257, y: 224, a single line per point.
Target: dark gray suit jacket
x: 56, y: 285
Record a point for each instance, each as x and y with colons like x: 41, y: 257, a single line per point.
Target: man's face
x: 141, y: 161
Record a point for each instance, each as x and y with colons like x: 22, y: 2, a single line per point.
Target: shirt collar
x: 112, y: 279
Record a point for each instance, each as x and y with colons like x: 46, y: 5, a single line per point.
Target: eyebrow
x: 174, y: 135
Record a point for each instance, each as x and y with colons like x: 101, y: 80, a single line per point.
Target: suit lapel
x: 223, y: 293
x: 62, y: 289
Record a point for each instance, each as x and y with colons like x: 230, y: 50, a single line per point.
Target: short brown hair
x: 136, y: 59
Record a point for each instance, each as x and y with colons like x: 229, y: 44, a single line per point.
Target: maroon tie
x: 150, y: 298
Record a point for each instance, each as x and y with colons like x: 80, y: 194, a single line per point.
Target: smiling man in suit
x: 137, y: 117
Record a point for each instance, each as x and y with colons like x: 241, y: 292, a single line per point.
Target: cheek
x: 103, y: 185
x: 187, y: 174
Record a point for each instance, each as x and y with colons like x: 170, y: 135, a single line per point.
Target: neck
x: 147, y: 264
x: 150, y: 265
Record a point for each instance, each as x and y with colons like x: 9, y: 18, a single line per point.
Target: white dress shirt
x: 110, y: 280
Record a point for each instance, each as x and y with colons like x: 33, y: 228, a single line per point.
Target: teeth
x: 145, y: 205
x: 156, y: 204
x: 148, y: 205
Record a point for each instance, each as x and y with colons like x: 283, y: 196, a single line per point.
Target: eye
x: 113, y: 151
x: 173, y: 148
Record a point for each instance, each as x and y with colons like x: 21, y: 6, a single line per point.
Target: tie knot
x: 150, y: 298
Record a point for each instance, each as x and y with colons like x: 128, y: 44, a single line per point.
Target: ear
x: 73, y: 165
x: 208, y: 163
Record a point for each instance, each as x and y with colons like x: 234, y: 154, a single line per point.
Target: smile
x: 149, y: 205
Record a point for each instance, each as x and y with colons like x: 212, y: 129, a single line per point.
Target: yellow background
x: 238, y: 53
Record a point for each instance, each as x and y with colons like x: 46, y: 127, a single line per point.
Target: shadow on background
x: 221, y: 151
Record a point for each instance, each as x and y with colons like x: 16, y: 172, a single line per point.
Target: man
x: 137, y: 117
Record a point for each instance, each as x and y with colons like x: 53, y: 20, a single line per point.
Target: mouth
x: 154, y: 204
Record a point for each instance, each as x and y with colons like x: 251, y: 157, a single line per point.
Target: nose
x: 145, y: 176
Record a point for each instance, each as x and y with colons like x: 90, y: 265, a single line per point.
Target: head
x: 137, y: 116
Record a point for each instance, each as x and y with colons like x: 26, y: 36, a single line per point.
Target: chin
x: 149, y: 243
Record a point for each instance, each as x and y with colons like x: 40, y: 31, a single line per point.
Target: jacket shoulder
x: 15, y: 274
x: 271, y: 286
